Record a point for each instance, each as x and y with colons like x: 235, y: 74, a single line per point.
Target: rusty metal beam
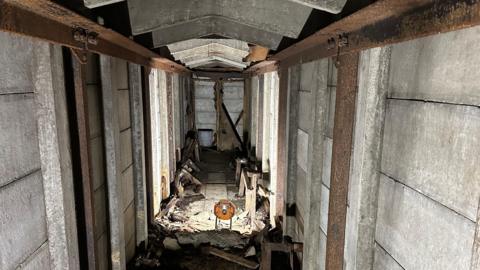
x: 79, y: 73
x: 341, y: 153
x: 382, y: 23
x: 219, y: 75
x: 386, y: 22
x: 261, y: 68
x: 48, y: 21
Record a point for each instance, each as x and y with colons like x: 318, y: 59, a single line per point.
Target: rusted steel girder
x: 53, y: 23
x: 341, y: 153
x: 382, y: 23
x: 386, y: 22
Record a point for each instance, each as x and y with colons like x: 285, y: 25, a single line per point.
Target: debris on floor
x: 214, y: 219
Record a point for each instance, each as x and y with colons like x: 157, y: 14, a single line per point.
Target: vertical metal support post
x: 81, y: 107
x: 282, y: 142
x: 341, y: 154
x: 147, y: 82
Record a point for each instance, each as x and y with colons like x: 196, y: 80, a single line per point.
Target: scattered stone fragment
x: 171, y: 244
x: 250, y: 252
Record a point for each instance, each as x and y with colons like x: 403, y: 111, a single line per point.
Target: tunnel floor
x: 185, y: 236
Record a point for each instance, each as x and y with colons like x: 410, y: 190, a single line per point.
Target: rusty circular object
x: 224, y: 210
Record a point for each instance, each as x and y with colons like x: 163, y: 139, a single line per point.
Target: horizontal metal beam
x: 382, y: 23
x: 53, y: 23
x: 215, y: 26
x: 261, y: 68
x: 219, y: 75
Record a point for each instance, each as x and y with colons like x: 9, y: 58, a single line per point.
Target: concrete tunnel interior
x: 254, y: 134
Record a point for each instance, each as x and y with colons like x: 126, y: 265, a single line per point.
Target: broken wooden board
x: 231, y: 257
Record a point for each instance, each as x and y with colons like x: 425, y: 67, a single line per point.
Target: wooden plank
x: 232, y: 258
x: 81, y: 106
x: 48, y: 21
x: 341, y: 153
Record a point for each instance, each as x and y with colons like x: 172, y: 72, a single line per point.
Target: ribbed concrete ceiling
x: 281, y: 17
x: 332, y: 6
x: 207, y: 52
x: 177, y: 23
x: 215, y: 26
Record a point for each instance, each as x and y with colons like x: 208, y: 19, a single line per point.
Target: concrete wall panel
x: 98, y: 162
x: 103, y: 257
x: 127, y: 187
x: 204, y: 105
x: 440, y: 68
x: 206, y: 118
x: 302, y: 149
x: 124, y: 109
x: 300, y: 191
x: 15, y: 74
x: 204, y: 89
x: 125, y: 149
x: 40, y: 260
x: 331, y: 111
x: 309, y: 73
x: 234, y: 107
x: 101, y: 215
x: 130, y: 232
x: 420, y: 233
x: 22, y: 215
x: 205, y: 113
x: 305, y: 110
x: 323, y: 251
x: 94, y: 109
x: 324, y: 196
x: 120, y: 73
x: 327, y: 161
x: 19, y: 153
x: 383, y: 260
x: 435, y: 149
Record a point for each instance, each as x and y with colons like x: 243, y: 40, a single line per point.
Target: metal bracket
x: 85, y: 37
x: 340, y: 42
